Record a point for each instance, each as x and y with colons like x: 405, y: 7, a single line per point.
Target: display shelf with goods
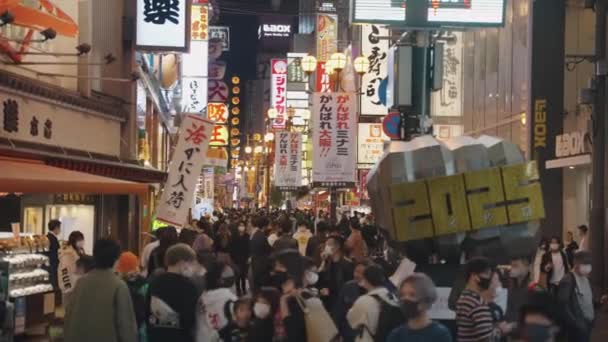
x: 25, y: 279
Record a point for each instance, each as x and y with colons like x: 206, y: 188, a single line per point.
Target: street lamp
x: 309, y: 64
x: 361, y: 65
x: 248, y: 149
x: 339, y: 61
x: 258, y: 149
x: 269, y: 137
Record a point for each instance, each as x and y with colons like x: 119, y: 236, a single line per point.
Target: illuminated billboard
x: 430, y: 13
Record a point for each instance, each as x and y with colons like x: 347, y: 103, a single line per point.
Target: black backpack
x: 389, y: 319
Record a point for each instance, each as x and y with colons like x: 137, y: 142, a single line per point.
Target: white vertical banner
x: 376, y: 51
x: 184, y: 170
x: 194, y: 64
x: 288, y: 160
x: 278, y: 91
x: 448, y: 100
x: 334, y: 127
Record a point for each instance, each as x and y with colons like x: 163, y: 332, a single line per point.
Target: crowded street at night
x: 303, y: 171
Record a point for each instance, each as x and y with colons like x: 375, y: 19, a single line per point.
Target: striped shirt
x: 474, y: 319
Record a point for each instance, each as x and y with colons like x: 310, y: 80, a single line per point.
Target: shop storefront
x: 75, y: 174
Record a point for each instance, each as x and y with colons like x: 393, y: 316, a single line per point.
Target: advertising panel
x: 376, y: 51
x: 371, y: 139
x: 162, y: 25
x: 278, y: 91
x: 288, y: 160
x: 334, y: 123
x: 184, y: 170
x: 327, y: 36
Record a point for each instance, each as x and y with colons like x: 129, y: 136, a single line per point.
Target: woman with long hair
x: 168, y: 237
x: 68, y: 257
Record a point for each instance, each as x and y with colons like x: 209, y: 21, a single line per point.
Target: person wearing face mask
x: 575, y: 298
x: 172, y: 298
x: 68, y: 256
x: 240, y: 255
x: 518, y: 287
x: 497, y: 302
x: 266, y: 317
x: 335, y: 270
x: 555, y: 264
x: 418, y: 294
x: 543, y: 247
x: 473, y: 314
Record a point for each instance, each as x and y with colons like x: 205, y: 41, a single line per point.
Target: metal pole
x: 333, y: 205
x: 598, y: 218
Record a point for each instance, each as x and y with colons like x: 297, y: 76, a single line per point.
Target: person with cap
x: 127, y: 268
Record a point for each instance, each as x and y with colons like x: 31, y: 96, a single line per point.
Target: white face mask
x: 311, y: 277
x: 585, y: 269
x: 80, y: 244
x: 329, y: 250
x: 261, y: 310
x: 554, y: 246
x: 241, y: 229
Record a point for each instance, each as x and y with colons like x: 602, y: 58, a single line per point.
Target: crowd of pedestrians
x: 261, y: 276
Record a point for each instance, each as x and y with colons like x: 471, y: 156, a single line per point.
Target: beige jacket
x: 366, y: 312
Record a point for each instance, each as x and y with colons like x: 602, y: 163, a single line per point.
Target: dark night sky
x: 242, y: 18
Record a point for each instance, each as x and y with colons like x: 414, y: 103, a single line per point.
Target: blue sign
x: 391, y: 125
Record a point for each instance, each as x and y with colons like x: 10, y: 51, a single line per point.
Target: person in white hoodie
x: 68, y: 256
x: 302, y: 236
x: 365, y: 313
x: 214, y: 304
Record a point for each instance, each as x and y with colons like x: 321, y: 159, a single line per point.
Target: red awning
x: 31, y: 176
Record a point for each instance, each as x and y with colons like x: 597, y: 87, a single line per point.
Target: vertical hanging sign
x: 184, y: 170
x: 194, y: 64
x: 288, y: 160
x: 163, y: 25
x: 327, y: 36
x: 376, y: 51
x: 278, y: 91
x: 334, y: 138
x: 448, y: 100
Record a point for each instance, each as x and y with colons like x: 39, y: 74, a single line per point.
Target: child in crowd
x: 239, y: 328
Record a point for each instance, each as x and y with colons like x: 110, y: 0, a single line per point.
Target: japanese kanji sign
x: 163, y: 25
x: 221, y: 33
x: 288, y: 160
x: 327, y: 36
x: 278, y: 91
x: 194, y: 94
x: 371, y: 141
x: 334, y: 127
x: 184, y: 170
x: 217, y: 112
x: 219, y: 136
x: 376, y: 51
x: 217, y: 70
x: 218, y: 91
x: 200, y: 22
x: 448, y: 100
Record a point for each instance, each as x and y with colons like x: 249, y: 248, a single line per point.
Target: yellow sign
x: 199, y: 29
x: 219, y: 136
x: 455, y: 204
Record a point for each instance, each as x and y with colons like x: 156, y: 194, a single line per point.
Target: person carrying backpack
x: 377, y: 313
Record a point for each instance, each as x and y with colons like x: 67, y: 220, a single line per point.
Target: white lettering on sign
x: 570, y: 144
x: 274, y: 30
x: 277, y: 28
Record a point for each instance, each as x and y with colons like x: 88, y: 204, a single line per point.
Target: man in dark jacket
x: 259, y: 250
x: 53, y: 253
x: 518, y: 287
x: 286, y: 241
x: 575, y: 297
x: 336, y: 270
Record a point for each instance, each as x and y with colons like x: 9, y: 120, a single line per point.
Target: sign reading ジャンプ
x: 184, y: 170
x: 288, y: 160
x: 163, y: 25
x: 376, y: 51
x: 278, y: 91
x: 334, y: 135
